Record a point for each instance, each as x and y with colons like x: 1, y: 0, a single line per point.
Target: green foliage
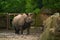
x: 37, y: 10
x: 19, y: 6
x: 28, y: 6
x: 53, y: 4
x: 32, y: 6
x: 12, y: 5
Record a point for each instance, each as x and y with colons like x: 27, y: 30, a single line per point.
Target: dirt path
x: 13, y: 36
x: 9, y: 35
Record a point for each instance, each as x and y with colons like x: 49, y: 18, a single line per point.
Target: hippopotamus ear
x: 26, y: 13
x: 29, y: 13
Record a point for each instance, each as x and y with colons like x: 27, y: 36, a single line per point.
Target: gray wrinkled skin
x: 22, y: 22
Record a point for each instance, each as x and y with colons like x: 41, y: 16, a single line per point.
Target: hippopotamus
x: 22, y: 22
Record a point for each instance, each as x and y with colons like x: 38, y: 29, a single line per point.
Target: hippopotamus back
x: 15, y: 20
x: 19, y: 20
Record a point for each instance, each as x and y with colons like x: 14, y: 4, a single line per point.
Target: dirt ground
x: 10, y: 35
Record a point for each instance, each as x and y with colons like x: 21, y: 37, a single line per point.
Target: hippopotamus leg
x: 26, y: 26
x: 17, y: 30
x: 21, y: 30
x: 28, y: 30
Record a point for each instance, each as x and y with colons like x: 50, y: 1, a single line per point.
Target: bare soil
x: 10, y: 35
